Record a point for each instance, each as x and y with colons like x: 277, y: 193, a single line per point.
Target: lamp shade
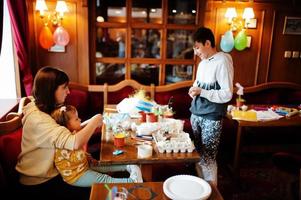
x: 61, y: 7
x: 231, y: 13
x: 41, y: 5
x: 248, y: 13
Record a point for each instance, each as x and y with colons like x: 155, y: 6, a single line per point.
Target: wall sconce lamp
x: 60, y: 36
x: 230, y: 14
x: 247, y: 15
x: 241, y: 40
x: 54, y: 16
x: 237, y: 23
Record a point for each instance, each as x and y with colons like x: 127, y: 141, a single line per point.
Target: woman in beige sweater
x: 41, y: 135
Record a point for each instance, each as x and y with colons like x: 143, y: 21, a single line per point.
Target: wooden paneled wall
x: 75, y: 60
x: 264, y: 61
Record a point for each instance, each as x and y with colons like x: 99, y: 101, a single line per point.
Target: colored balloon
x: 227, y: 42
x: 45, y: 38
x: 240, y: 41
x: 61, y: 36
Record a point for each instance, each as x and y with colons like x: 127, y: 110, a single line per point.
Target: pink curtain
x: 19, y: 20
x: 1, y: 23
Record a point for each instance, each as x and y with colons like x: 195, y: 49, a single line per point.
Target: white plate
x: 186, y: 187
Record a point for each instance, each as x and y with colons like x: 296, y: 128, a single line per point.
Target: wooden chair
x: 113, y: 94
x: 180, y: 103
x: 13, y: 119
x: 10, y: 146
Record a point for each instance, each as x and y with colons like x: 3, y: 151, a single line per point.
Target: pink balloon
x: 61, y: 36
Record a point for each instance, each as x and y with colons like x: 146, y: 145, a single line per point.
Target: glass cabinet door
x: 145, y: 74
x: 110, y: 42
x: 111, y: 11
x: 181, y: 12
x: 177, y: 73
x: 143, y: 12
x: 111, y: 73
x: 147, y: 41
x: 179, y: 44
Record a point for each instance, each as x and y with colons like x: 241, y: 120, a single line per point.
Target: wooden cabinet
x: 147, y: 41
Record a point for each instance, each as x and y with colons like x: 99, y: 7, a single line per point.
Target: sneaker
x: 128, y: 168
x: 209, y: 173
x: 135, y: 173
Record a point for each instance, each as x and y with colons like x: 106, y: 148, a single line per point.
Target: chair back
x: 10, y: 146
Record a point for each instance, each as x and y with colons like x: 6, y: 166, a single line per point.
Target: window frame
x: 128, y: 25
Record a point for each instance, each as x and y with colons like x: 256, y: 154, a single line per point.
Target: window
x: 147, y: 41
x: 8, y: 71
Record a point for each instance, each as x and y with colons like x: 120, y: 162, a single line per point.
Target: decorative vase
x: 240, y: 102
x: 142, y: 117
x: 151, y: 117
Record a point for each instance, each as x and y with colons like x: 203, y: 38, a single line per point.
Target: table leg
x: 237, y: 151
x: 300, y: 185
x: 147, y: 172
x: 198, y: 170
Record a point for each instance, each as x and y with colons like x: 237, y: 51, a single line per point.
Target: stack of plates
x: 186, y: 187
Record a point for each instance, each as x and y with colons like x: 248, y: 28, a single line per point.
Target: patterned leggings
x: 207, y: 137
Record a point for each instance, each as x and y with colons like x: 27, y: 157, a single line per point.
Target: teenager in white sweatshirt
x: 211, y: 90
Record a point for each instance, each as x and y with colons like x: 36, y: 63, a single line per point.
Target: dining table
x: 285, y: 121
x: 129, y: 154
x: 146, y: 190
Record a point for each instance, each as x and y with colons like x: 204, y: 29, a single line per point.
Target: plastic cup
x: 119, y: 139
x: 145, y: 151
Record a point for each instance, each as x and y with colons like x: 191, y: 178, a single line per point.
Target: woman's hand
x: 194, y: 91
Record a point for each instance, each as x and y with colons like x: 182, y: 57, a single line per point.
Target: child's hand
x: 97, y: 119
x: 91, y: 160
x: 194, y: 91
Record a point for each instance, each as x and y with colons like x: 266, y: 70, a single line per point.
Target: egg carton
x: 180, y: 143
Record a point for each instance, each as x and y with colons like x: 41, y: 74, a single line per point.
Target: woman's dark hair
x: 46, y: 81
x: 203, y: 34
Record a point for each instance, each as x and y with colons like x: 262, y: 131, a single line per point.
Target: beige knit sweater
x: 41, y: 135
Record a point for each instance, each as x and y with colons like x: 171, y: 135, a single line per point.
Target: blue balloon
x: 227, y: 42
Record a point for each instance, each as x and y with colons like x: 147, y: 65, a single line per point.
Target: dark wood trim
x: 270, y: 48
x: 173, y: 86
x: 13, y: 120
x: 128, y: 49
x: 264, y: 86
x: 92, y: 43
x: 111, y: 25
x: 10, y: 125
x: 78, y: 86
x: 258, y: 57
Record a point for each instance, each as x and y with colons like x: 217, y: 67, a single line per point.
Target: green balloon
x: 240, y: 41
